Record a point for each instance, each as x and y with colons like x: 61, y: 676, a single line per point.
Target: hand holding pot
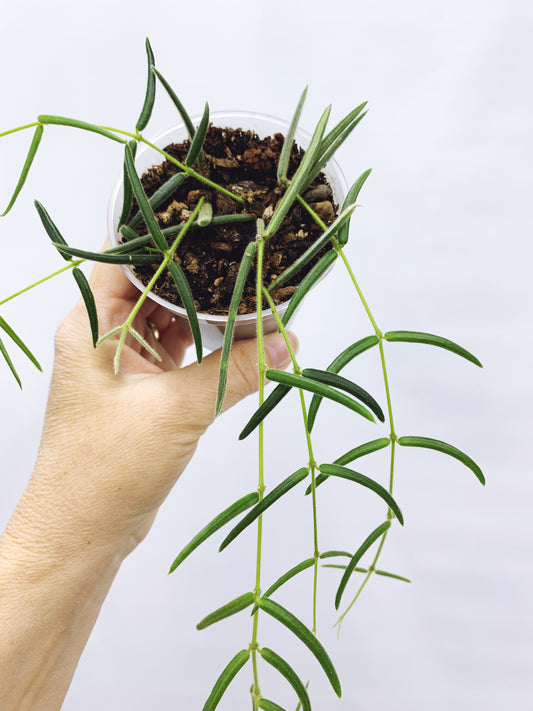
x: 111, y: 450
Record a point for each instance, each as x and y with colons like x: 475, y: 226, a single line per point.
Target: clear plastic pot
x: 213, y: 326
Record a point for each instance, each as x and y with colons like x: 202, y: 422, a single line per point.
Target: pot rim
x: 164, y: 138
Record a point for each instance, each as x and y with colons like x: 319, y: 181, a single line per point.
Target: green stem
x: 256, y: 692
x: 312, y: 460
x: 70, y: 265
x: 182, y: 166
x: 19, y: 128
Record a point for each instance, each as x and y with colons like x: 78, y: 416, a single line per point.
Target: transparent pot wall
x: 212, y: 327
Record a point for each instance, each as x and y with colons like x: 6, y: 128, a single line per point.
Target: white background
x: 441, y: 243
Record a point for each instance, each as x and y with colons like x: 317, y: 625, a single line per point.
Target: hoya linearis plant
x: 157, y: 246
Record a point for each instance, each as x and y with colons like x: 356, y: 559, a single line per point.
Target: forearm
x: 52, y: 586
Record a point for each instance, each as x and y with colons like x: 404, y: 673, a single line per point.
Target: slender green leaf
x: 340, y: 129
x: 300, y: 175
x: 313, y: 250
x: 276, y: 493
x: 20, y: 343
x: 108, y: 257
x: 444, y: 447
x: 88, y: 299
x: 269, y: 705
x: 337, y: 381
x: 351, y: 197
x: 142, y: 200
x: 177, y: 103
x: 197, y: 142
x: 299, y: 381
x: 8, y: 360
x: 132, y: 241
x: 184, y: 290
x: 305, y: 635
x: 284, y: 158
x: 149, y: 97
x: 263, y: 410
x: 288, y: 672
x: 335, y: 554
x: 310, y: 279
x: 372, y: 538
x: 347, y: 355
x: 225, y: 679
x: 351, y: 475
x: 288, y: 575
x: 51, y: 229
x: 127, y: 190
x: 83, y: 125
x: 362, y: 450
x: 214, y: 525
x: 325, y: 156
x: 432, y: 340
x: 242, y: 275
x: 144, y: 343
x: 160, y: 195
x: 230, y: 608
x: 26, y: 167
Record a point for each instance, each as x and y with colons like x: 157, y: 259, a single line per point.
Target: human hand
x: 114, y: 445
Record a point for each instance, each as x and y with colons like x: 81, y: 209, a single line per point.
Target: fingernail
x: 277, y: 352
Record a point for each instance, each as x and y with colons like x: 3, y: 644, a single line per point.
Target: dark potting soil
x: 210, y: 256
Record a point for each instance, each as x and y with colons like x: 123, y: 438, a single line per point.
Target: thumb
x: 201, y: 380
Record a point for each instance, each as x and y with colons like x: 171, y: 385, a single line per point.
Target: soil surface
x: 210, y: 256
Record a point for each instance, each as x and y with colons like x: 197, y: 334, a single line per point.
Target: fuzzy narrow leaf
x: 142, y: 200
x: 214, y: 525
x: 263, y: 410
x: 339, y: 130
x: 149, y: 97
x: 288, y: 672
x: 337, y: 381
x: 26, y: 167
x: 19, y: 342
x: 299, y: 381
x: 385, y: 574
x: 131, y: 243
x: 242, y: 275
x: 127, y: 199
x: 288, y: 575
x: 304, y: 634
x: 88, y: 299
x: 335, y: 554
x: 83, y: 125
x: 144, y: 343
x: 160, y: 195
x: 347, y: 355
x: 277, y: 492
x: 308, y: 282
x: 351, y: 197
x: 224, y: 680
x: 299, y: 178
x: 372, y: 538
x: 445, y: 448
x: 431, y: 340
x: 351, y: 475
x: 9, y: 362
x: 205, y: 215
x: 108, y: 257
x: 283, y: 163
x: 51, y: 229
x: 199, y: 137
x: 184, y: 290
x: 177, y: 103
x: 230, y: 608
x: 313, y: 249
x: 269, y: 705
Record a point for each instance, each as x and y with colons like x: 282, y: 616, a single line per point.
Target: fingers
x: 197, y: 384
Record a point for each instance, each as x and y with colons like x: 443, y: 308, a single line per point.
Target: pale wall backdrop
x: 442, y: 243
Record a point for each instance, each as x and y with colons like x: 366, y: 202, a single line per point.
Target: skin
x: 100, y: 476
